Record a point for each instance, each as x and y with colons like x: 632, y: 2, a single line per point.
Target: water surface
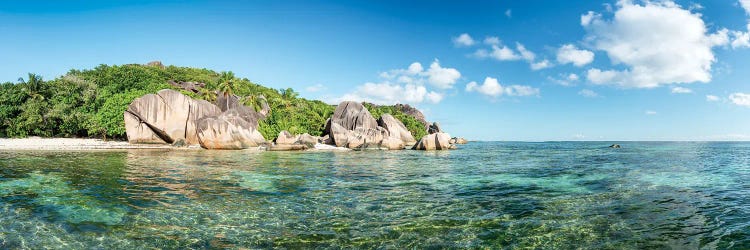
x: 560, y: 195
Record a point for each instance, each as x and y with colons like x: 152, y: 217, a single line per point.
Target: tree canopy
x: 90, y: 103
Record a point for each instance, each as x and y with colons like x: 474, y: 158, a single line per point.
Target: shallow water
x: 558, y: 195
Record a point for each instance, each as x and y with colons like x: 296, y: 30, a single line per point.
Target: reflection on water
x: 510, y: 195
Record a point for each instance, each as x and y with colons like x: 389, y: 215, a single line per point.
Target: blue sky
x: 487, y: 70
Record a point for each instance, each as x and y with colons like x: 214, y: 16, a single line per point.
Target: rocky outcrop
x: 436, y: 141
x: 353, y: 126
x: 434, y: 128
x: 458, y: 140
x: 351, y: 115
x: 413, y: 112
x: 189, y: 86
x: 165, y: 117
x: 228, y: 131
x: 169, y: 117
x: 615, y: 146
x: 286, y: 138
x: 308, y: 140
x: 396, y: 129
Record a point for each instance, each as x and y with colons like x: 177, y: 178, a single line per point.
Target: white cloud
x: 543, y: 64
x: 491, y: 87
x: 387, y: 93
x: 598, y: 76
x: 315, y: 88
x: 443, y: 78
x: 408, y: 85
x: 745, y: 5
x: 740, y: 39
x: 525, y: 54
x: 740, y: 99
x: 568, y: 53
x: 658, y: 43
x: 440, y: 77
x: 504, y: 53
x: 650, y: 112
x: 681, y: 90
x: 463, y: 40
x: 712, y: 98
x: 415, y: 68
x: 492, y: 40
x: 565, y: 80
x: 588, y: 93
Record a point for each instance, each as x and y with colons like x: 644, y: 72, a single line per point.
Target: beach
x: 38, y: 143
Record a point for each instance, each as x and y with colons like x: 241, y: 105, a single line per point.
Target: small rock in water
x: 615, y: 146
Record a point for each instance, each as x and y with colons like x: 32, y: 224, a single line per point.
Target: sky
x: 505, y: 70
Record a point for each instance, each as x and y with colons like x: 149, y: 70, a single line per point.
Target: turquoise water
x: 683, y: 195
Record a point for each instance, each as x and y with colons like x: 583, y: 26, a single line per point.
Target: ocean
x: 545, y: 195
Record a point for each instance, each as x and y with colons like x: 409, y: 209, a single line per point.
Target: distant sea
x: 546, y: 195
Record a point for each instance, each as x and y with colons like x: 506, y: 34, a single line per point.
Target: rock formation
x: 353, y: 126
x: 286, y: 138
x: 413, y: 112
x: 166, y: 117
x: 436, y: 141
x: 434, y: 128
x: 396, y: 129
x: 458, y: 140
x: 169, y: 117
x: 189, y: 86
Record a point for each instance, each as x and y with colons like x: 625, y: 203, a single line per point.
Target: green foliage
x: 86, y: 103
x: 416, y: 128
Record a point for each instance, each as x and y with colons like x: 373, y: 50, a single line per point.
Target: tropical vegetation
x: 90, y: 103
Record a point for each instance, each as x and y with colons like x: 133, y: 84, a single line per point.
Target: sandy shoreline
x: 36, y: 143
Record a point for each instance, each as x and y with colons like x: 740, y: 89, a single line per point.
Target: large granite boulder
x: 434, y: 128
x: 286, y: 138
x: 436, y: 141
x: 396, y: 129
x: 413, y: 112
x: 339, y: 135
x: 167, y: 115
x: 392, y: 143
x: 229, y: 131
x: 351, y: 115
x: 307, y: 140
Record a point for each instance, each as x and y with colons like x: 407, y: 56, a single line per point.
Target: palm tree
x: 33, y: 86
x: 227, y: 84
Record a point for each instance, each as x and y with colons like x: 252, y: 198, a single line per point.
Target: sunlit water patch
x: 483, y: 195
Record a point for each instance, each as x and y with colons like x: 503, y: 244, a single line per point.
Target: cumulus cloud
x: 463, y: 40
x: 492, y: 40
x: 630, y: 38
x: 501, y: 52
x: 543, y: 64
x: 440, y: 77
x: 435, y: 75
x: 565, y: 79
x: 740, y: 99
x: 568, y: 53
x: 392, y: 93
x: 588, y: 93
x: 315, y: 88
x: 741, y: 39
x: 712, y: 98
x: 492, y: 87
x: 681, y: 90
x: 409, y: 85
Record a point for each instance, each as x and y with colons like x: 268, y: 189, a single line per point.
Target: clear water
x: 494, y: 195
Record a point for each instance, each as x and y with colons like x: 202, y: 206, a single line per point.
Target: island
x: 152, y: 104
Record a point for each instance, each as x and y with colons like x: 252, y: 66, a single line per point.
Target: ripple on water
x: 555, y: 195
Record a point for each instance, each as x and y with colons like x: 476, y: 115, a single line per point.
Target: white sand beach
x: 37, y: 143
